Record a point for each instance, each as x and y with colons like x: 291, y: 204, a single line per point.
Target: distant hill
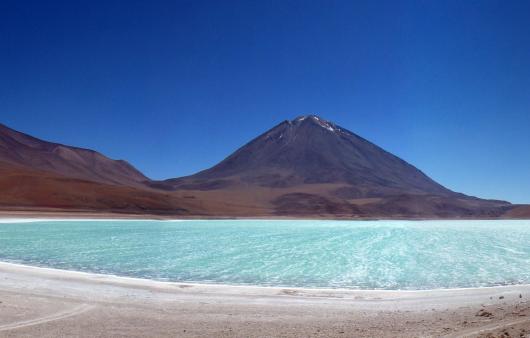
x: 26, y: 151
x: 518, y: 211
x: 26, y: 189
x: 306, y: 167
x: 41, y: 175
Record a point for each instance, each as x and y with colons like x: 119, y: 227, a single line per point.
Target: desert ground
x: 43, y: 302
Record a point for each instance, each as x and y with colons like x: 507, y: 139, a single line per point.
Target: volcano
x: 309, y: 166
x: 311, y: 150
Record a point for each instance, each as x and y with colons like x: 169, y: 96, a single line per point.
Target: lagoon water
x: 330, y: 254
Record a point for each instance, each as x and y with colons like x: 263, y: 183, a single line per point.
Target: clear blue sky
x: 175, y: 86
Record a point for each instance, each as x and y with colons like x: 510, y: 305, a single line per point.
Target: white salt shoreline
x: 50, y: 302
x: 251, y: 290
x: 35, y: 220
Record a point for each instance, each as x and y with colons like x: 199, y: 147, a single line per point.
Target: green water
x: 338, y: 254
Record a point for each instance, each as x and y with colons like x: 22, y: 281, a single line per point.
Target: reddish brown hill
x: 26, y: 151
x: 23, y: 188
x: 519, y: 211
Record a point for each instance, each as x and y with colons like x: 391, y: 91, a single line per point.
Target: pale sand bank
x: 104, y: 215
x: 53, y: 303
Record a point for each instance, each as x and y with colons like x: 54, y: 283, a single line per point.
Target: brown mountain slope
x: 23, y: 188
x: 518, y: 211
x: 26, y: 151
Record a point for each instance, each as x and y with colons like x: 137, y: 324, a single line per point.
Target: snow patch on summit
x: 324, y: 124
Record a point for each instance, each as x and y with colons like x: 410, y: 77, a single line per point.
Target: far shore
x: 90, y: 214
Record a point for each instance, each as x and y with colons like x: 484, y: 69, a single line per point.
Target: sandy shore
x: 96, y: 215
x: 55, y: 303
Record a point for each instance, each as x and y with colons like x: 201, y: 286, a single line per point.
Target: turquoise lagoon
x: 323, y: 254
